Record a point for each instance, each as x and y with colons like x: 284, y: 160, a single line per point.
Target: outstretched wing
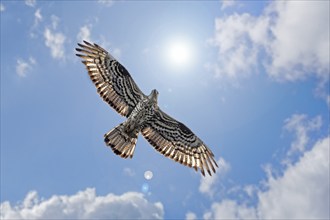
x: 113, y: 82
x: 174, y: 140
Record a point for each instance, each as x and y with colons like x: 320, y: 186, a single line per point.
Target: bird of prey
x: 167, y: 135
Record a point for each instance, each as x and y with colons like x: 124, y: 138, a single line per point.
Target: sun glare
x: 179, y: 53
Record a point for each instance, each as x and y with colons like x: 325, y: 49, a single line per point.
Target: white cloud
x: 30, y: 3
x: 32, y: 60
x: 84, y: 205
x: 238, y: 39
x: 2, y: 7
x: 191, y: 216
x: 37, y: 19
x: 301, y: 126
x: 250, y: 190
x: 284, y: 39
x: 300, y: 46
x: 84, y: 33
x: 227, y: 3
x: 55, y: 41
x: 229, y: 209
x: 300, y: 192
x: 116, y: 53
x: 23, y: 67
x: 37, y: 16
x: 303, y: 190
x: 55, y: 20
x: 208, y: 183
x: 107, y: 3
x: 129, y: 172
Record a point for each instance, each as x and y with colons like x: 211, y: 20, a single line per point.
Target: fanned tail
x: 120, y: 142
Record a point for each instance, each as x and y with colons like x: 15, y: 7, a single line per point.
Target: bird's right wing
x: 174, y: 140
x: 113, y: 82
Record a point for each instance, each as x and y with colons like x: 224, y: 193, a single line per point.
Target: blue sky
x: 254, y: 88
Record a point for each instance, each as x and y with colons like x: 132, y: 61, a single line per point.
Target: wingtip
x: 215, y: 163
x: 213, y: 169
x: 86, y: 42
x: 203, y: 173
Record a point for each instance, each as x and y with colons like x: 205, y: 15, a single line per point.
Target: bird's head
x: 153, y: 96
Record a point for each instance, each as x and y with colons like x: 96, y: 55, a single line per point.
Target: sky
x: 250, y: 78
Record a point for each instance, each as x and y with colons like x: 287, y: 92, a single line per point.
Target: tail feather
x: 121, y: 143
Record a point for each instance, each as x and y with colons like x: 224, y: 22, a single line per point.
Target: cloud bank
x: 290, y: 39
x: 300, y: 192
x: 303, y: 190
x: 84, y: 205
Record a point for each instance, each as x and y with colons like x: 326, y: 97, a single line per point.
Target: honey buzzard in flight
x: 167, y: 135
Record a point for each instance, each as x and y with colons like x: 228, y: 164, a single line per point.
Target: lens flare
x: 145, y: 187
x: 148, y: 175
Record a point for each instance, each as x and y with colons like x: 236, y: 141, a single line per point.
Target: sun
x: 179, y: 53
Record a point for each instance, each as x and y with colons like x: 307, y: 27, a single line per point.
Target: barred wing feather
x: 113, y: 82
x: 174, y: 140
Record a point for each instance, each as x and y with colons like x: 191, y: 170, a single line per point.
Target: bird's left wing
x: 174, y: 140
x: 113, y: 82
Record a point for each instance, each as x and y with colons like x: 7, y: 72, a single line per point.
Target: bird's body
x: 167, y: 135
x: 142, y: 113
x: 122, y: 139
